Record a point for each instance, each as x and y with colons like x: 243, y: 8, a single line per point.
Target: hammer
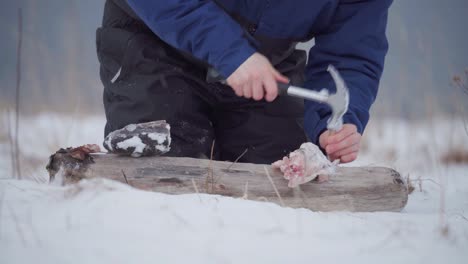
x: 338, y: 101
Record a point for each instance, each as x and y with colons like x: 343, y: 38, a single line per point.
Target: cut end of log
x: 65, y: 167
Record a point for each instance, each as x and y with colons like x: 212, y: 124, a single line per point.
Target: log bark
x: 359, y: 189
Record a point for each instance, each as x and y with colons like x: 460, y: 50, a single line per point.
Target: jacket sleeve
x: 199, y: 27
x: 355, y: 43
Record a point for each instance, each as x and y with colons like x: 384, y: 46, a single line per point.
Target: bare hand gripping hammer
x: 338, y: 101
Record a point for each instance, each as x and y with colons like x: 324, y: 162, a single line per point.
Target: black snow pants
x: 145, y: 79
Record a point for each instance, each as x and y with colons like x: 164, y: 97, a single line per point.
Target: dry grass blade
x: 17, y: 226
x: 444, y: 227
x: 274, y: 186
x: 302, y: 195
x: 464, y: 88
x: 423, y: 180
x: 2, y: 195
x: 12, y: 144
x: 238, y: 158
x: 17, y: 99
x: 125, y: 176
x: 34, y: 232
x: 461, y: 216
x: 196, y: 189
x: 410, y: 185
x: 465, y: 125
x: 235, y: 162
x: 209, y: 183
x: 246, y: 190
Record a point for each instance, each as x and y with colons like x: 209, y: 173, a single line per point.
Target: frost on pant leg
x: 136, y: 140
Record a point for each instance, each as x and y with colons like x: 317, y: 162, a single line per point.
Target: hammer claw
x: 338, y: 101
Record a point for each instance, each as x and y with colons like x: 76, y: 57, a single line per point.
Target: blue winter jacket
x: 349, y: 34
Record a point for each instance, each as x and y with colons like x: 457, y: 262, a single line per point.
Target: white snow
x: 131, y: 127
x: 159, y: 137
x: 101, y: 221
x: 133, y: 142
x: 163, y: 148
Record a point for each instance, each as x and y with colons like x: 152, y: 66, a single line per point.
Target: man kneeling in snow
x: 158, y: 57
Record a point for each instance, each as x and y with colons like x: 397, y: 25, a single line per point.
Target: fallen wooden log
x: 360, y: 189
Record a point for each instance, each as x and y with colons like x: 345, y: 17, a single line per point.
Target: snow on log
x: 359, y: 189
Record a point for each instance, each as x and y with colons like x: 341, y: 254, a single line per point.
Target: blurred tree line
x: 427, y: 38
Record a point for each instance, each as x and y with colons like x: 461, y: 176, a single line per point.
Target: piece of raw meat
x: 305, y: 164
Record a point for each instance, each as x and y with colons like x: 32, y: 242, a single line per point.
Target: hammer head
x: 338, y: 101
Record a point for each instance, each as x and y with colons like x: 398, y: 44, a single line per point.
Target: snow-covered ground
x: 100, y: 221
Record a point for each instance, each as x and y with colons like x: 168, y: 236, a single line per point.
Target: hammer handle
x: 283, y: 88
x: 295, y: 91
